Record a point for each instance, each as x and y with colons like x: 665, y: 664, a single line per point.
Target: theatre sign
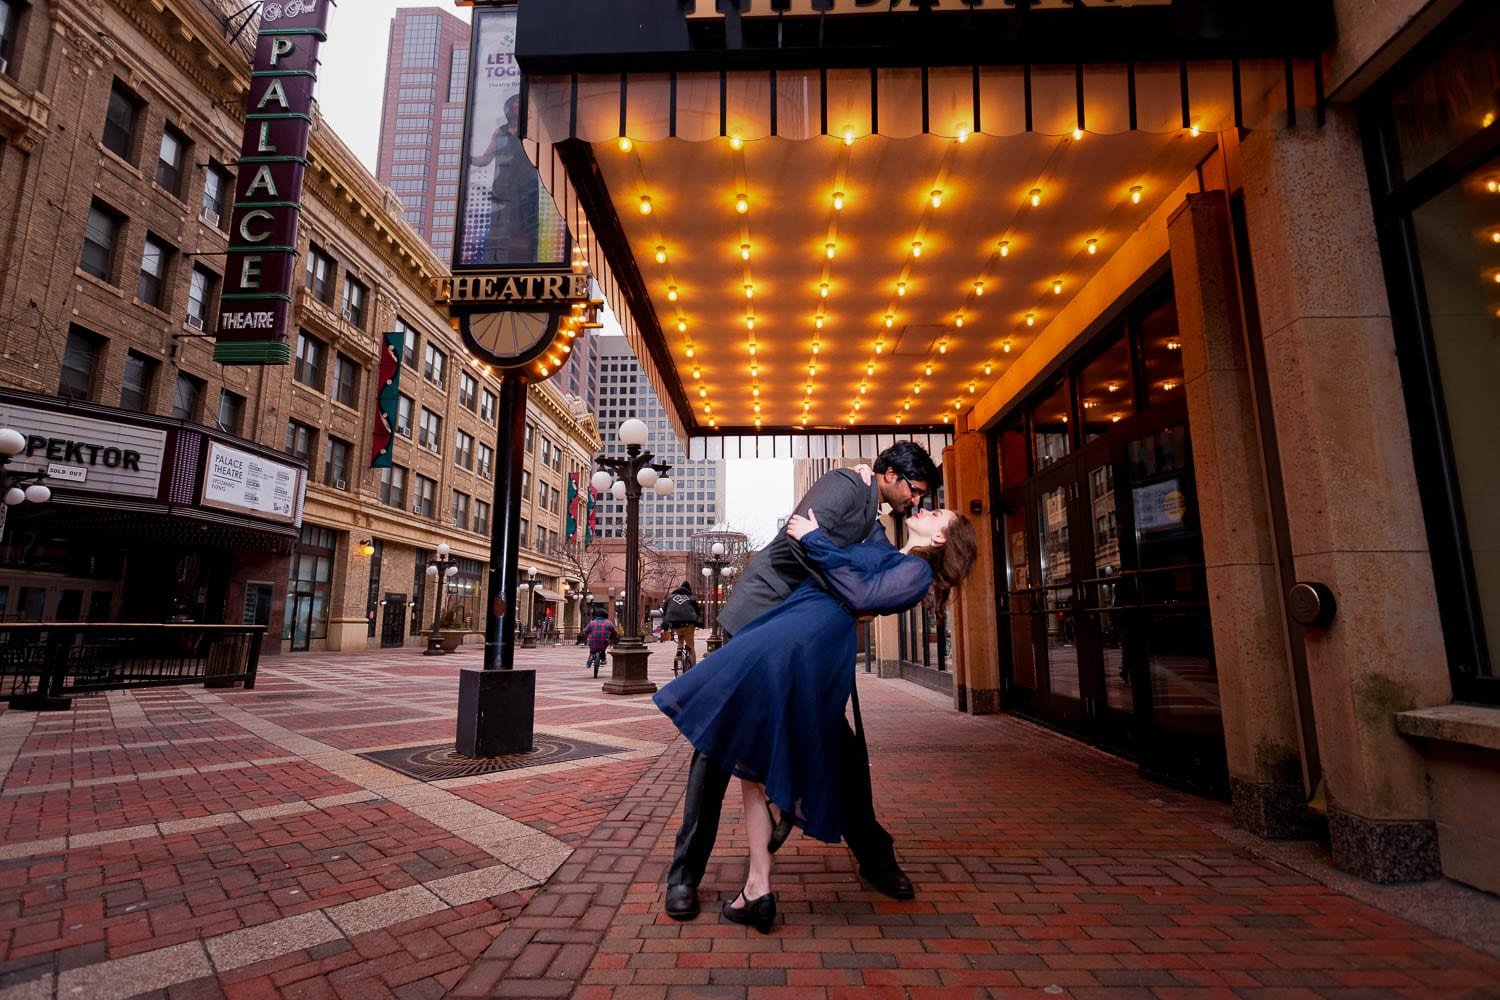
x: 255, y: 307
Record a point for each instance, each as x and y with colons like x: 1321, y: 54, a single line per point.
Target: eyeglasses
x: 917, y: 496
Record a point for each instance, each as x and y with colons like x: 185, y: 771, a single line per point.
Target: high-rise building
x: 422, y: 119
x: 697, y: 504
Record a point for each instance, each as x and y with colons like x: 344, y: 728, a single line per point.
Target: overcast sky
x: 351, y: 80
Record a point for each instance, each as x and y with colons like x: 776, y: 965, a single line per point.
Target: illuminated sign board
x: 255, y: 307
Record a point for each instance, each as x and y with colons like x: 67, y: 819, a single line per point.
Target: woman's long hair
x: 952, y: 560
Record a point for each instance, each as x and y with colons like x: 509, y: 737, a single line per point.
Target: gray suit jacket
x: 846, y: 509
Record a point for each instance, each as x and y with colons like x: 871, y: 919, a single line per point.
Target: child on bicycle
x: 600, y: 635
x: 680, y: 613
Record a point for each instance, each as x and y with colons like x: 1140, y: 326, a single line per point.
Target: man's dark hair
x: 911, y: 461
x: 600, y: 613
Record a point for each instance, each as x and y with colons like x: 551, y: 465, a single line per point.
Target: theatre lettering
x: 82, y: 453
x: 513, y: 288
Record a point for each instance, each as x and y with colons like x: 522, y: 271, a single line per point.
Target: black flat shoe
x: 758, y: 913
x: 682, y: 902
x: 780, y: 829
x: 890, y: 880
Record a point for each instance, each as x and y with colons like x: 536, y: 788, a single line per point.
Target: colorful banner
x: 572, y: 528
x: 590, y: 523
x: 383, y: 437
x: 255, y: 308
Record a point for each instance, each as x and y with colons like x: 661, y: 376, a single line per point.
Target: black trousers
x: 707, y: 783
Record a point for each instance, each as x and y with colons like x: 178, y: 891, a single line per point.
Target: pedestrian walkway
x: 197, y: 843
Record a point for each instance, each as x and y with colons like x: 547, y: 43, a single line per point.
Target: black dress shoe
x: 780, y: 830
x: 890, y: 880
x: 682, y: 902
x: 758, y: 913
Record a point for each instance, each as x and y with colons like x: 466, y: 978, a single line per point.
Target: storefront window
x: 308, y: 588
x: 1049, y: 421
x: 1450, y: 101
x: 1105, y: 388
x: 1162, y: 349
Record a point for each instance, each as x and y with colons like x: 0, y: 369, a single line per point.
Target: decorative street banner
x: 591, y: 522
x: 572, y: 526
x: 261, y: 264
x: 508, y: 217
x: 388, y: 399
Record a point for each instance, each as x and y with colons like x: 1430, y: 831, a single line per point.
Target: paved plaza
x: 185, y: 843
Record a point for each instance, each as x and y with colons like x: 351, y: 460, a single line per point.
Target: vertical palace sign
x: 255, y: 309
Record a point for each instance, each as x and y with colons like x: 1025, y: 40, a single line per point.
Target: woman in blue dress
x: 769, y: 705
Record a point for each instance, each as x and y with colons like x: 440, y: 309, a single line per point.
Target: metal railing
x: 42, y: 663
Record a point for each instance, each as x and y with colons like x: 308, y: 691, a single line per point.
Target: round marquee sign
x: 508, y: 339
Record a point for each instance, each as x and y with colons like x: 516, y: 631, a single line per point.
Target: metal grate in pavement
x: 438, y: 761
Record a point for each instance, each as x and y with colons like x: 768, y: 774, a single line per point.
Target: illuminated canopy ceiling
x: 833, y: 250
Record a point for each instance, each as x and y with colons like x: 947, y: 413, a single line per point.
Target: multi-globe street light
x: 626, y: 478
x: 715, y: 567
x: 439, y: 571
x: 18, y: 487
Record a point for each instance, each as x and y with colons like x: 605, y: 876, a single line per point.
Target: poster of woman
x: 508, y: 219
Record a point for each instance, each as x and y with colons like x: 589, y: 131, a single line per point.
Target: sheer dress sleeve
x: 870, y: 578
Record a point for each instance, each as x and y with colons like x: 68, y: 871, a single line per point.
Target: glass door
x: 299, y: 620
x: 1105, y: 593
x: 1060, y: 683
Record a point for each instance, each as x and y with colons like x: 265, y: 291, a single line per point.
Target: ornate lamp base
x: 628, y: 670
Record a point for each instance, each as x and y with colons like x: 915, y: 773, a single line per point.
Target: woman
x: 768, y: 706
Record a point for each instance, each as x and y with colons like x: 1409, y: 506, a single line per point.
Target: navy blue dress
x: 769, y: 704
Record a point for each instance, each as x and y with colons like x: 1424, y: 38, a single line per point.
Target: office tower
x: 422, y: 120
x: 697, y: 504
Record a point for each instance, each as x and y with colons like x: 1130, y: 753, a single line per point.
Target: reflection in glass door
x: 1055, y: 563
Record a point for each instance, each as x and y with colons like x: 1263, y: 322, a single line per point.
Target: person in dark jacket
x: 847, y: 508
x: 680, y: 614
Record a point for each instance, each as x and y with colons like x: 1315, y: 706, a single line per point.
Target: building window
x: 530, y: 437
x: 424, y: 498
x: 231, y: 411
x: 404, y: 409
x: 120, y: 119
x: 346, y: 372
x: 408, y: 344
x: 458, y: 78
x: 525, y: 484
x: 200, y: 295
x: 215, y: 187
x: 460, y: 511
x: 525, y: 532
x: 354, y: 302
x: 336, y: 465
x: 149, y: 286
x: 486, y: 461
x: 481, y: 517
x: 487, y: 403
x: 169, y: 161
x: 309, y: 368
x: 99, y: 236
x: 434, y: 361
x: 419, y: 47
x: 187, y: 396
x: 546, y: 454
x: 468, y: 387
x: 393, y: 487
x: 463, y: 450
x: 429, y: 427
x: 299, y: 439
x: 10, y: 24
x: 80, y: 361
x: 135, y: 385
x: 319, y: 279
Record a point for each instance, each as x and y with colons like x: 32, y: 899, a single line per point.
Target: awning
x: 811, y: 256
x: 549, y: 595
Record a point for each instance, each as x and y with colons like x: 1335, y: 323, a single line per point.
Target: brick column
x: 1351, y: 490
x: 976, y: 672
x: 1255, y: 688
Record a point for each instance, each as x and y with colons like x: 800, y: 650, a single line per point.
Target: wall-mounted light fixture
x: 367, y: 547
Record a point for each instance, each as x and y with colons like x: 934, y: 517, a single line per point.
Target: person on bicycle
x: 680, y: 613
x: 600, y: 635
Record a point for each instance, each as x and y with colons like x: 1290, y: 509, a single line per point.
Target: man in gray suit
x: 847, y: 509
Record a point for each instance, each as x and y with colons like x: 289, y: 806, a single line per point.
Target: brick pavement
x: 188, y: 843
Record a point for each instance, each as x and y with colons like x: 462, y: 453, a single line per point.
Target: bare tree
x: 586, y: 563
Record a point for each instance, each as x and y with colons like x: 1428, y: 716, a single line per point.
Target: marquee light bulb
x: 703, y: 392
x: 971, y: 388
x: 750, y: 325
x: 625, y: 144
x: 823, y: 290
x: 958, y: 404
x: 809, y: 388
x: 978, y: 289
x: 1093, y: 246
x: 661, y: 255
x: 1036, y: 197
x: 863, y: 388
x: 856, y: 406
x: 1031, y: 319
x: 741, y: 204
x: 988, y: 368
x: 690, y: 350
x: 916, y: 248
x: 906, y: 405
x: 804, y: 420
x: 816, y: 347
x: 749, y: 291
x: 829, y: 250
x: 849, y: 138
x: 1057, y: 287
x: 890, y: 321
x: 958, y: 320
x: 1195, y: 131
x: 735, y: 142
x: 943, y: 346
x: 879, y: 346
x: 901, y: 287
x: 682, y: 326
x: 1005, y: 248
x: 812, y: 369
x: 963, y: 136
x: 755, y: 370
x: 937, y: 199
x: 1077, y: 135
x: 916, y: 389
x: 838, y: 201
x: 752, y: 344
x: 645, y: 204
x: 870, y: 368
x: 744, y: 251
x: 708, y: 408
x: 757, y: 407
x: 817, y: 322
x: 1004, y: 347
x: 671, y: 293
x: 1135, y: 195
x: 927, y: 369
x: 697, y: 372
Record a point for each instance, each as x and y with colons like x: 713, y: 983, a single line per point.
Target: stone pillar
x: 1351, y: 489
x: 1255, y: 686
x: 976, y: 674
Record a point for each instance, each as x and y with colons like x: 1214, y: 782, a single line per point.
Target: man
x: 680, y: 614
x: 600, y: 635
x: 847, y: 510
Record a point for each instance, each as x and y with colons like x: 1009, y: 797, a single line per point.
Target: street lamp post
x: 631, y: 475
x: 528, y: 634
x: 439, y: 569
x: 715, y: 567
x: 17, y: 487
